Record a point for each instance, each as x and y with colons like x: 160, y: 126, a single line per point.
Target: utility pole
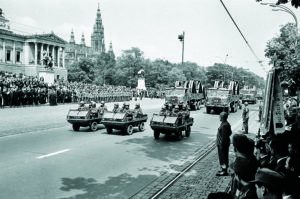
x: 181, y: 39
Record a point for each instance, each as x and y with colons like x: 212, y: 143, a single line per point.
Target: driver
x: 102, y: 107
x: 137, y: 110
x: 81, y: 105
x: 116, y: 108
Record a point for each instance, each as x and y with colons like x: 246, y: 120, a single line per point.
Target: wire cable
x: 249, y: 46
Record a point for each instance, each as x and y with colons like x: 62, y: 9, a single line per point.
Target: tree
x: 295, y: 3
x: 82, y: 71
x: 284, y: 52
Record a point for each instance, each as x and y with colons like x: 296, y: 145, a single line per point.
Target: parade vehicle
x: 171, y: 125
x: 85, y: 117
x: 188, y: 92
x: 248, y: 95
x: 220, y: 98
x: 125, y: 121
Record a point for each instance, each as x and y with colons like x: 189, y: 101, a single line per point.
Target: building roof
x: 48, y: 37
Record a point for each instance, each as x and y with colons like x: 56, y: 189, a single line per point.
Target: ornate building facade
x: 24, y: 53
x: 75, y: 52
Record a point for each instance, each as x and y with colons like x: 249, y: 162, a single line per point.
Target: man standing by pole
x: 223, y: 143
x: 245, y: 116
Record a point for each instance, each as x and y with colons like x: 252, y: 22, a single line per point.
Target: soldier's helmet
x: 81, y: 103
x: 181, y: 103
x: 116, y: 105
x: 102, y: 103
x: 246, y: 103
x: 93, y: 104
x: 126, y: 105
x: 176, y: 108
x: 137, y: 105
x: 184, y: 107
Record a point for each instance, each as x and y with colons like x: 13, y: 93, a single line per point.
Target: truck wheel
x: 179, y: 135
x: 129, y: 130
x: 94, y: 126
x: 109, y: 130
x: 188, y: 131
x: 76, y: 127
x: 208, y: 110
x: 141, y: 126
x: 156, y: 135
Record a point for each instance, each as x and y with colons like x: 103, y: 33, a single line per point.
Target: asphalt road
x: 46, y: 159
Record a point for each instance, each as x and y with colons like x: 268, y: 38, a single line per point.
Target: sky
x: 154, y: 25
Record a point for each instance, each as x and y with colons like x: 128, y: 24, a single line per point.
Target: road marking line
x: 51, y: 154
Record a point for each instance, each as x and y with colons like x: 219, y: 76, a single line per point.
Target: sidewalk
x: 201, y: 179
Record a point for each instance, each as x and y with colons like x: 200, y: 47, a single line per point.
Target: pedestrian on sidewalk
x: 245, y: 116
x: 223, y: 143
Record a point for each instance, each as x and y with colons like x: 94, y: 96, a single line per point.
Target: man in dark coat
x: 223, y: 143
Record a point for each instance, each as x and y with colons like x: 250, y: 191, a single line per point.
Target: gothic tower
x: 111, y: 51
x: 97, y: 38
x: 82, y: 40
x: 72, y: 38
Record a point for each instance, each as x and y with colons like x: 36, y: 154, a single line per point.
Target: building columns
x: 53, y: 55
x: 41, y: 54
x: 63, y: 58
x: 14, y: 53
x: 35, y: 53
x: 58, y: 56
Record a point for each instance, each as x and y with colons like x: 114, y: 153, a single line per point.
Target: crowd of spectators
x: 19, y: 90
x: 267, y: 167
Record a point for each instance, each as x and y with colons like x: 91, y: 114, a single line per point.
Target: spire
x: 82, y: 40
x: 97, y: 38
x: 111, y: 51
x: 72, y: 39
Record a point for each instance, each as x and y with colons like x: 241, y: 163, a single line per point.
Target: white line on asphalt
x: 51, y: 154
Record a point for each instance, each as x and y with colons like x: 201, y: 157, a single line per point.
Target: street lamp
x: 283, y: 9
x: 181, y: 39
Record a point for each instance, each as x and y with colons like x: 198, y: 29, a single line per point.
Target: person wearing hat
x: 116, y: 108
x: 245, y: 116
x: 244, y: 167
x: 102, y: 107
x: 223, y: 143
x: 137, y: 110
x: 268, y: 184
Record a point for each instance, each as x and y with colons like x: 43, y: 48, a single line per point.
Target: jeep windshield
x: 178, y: 92
x: 217, y: 93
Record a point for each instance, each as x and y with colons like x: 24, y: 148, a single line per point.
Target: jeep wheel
x: 156, y: 135
x: 179, y: 135
x: 141, y: 126
x: 129, y: 130
x: 94, y: 126
x: 109, y: 130
x: 76, y: 127
x: 207, y: 110
x: 188, y: 131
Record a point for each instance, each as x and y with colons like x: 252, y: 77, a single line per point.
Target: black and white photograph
x: 149, y: 99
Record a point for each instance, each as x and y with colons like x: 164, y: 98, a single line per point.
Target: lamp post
x: 181, y: 39
x: 283, y: 9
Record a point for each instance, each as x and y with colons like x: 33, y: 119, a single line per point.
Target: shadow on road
x: 167, y: 148
x: 122, y: 186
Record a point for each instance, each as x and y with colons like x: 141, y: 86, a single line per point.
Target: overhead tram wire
x: 249, y: 46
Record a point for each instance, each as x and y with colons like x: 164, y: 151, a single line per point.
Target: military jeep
x: 171, y: 125
x: 124, y: 122
x: 84, y: 117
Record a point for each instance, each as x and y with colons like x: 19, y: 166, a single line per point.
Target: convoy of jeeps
x: 173, y: 118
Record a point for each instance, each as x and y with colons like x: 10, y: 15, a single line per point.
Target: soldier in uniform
x: 260, y: 111
x: 245, y: 116
x: 102, y: 107
x: 137, y: 110
x: 123, y: 107
x: 81, y: 105
x: 116, y: 108
x: 223, y: 143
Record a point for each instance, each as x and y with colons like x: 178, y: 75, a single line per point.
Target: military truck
x: 190, y: 92
x: 220, y: 98
x: 248, y: 95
